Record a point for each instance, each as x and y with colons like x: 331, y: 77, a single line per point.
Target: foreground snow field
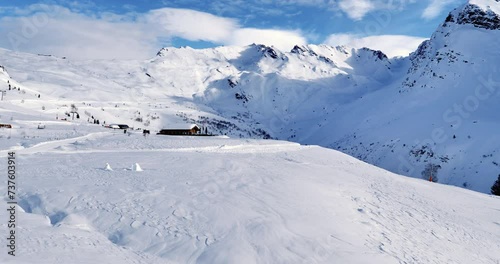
x: 221, y: 200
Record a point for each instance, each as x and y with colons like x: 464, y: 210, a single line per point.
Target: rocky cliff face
x: 476, y: 13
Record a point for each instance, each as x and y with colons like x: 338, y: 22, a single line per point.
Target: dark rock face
x: 242, y: 97
x: 160, y: 53
x: 419, y: 56
x: 304, y: 51
x: 298, y: 50
x: 377, y: 53
x: 475, y: 16
x: 232, y: 83
x: 380, y: 55
x: 272, y: 53
x: 268, y: 51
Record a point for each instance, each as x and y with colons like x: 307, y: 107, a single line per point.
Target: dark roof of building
x: 181, y: 127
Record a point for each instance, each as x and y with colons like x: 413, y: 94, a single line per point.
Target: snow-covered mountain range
x: 438, y: 106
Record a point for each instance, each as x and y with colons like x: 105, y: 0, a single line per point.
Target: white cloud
x: 340, y: 39
x: 435, y: 8
x: 356, y: 9
x: 192, y: 25
x: 392, y: 45
x: 60, y: 31
x: 281, y: 39
x: 52, y: 29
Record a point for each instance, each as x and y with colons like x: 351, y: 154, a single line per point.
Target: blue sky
x: 137, y: 29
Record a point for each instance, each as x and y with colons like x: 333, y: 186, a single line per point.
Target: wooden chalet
x: 181, y: 130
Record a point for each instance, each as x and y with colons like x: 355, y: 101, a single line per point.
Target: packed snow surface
x: 221, y: 200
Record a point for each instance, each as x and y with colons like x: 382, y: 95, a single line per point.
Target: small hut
x: 181, y: 130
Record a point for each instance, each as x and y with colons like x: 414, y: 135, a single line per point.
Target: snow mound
x: 74, y: 221
x: 136, y: 167
x: 108, y: 167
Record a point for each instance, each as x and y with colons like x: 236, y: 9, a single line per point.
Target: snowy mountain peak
x: 492, y: 5
x: 161, y: 52
x: 303, y: 50
x: 450, y: 49
x: 164, y: 51
x: 298, y: 49
x: 479, y: 13
x: 379, y: 55
x: 269, y: 51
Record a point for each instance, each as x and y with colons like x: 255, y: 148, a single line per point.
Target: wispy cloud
x: 392, y: 45
x: 79, y: 32
x: 281, y: 39
x: 436, y: 7
x: 356, y: 9
x: 60, y: 31
x: 192, y: 25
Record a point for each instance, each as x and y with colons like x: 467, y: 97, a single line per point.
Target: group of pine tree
x: 430, y: 173
x: 495, y: 189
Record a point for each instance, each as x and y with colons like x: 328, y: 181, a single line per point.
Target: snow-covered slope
x: 437, y: 106
x: 241, y: 91
x: 443, y: 111
x: 221, y: 200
